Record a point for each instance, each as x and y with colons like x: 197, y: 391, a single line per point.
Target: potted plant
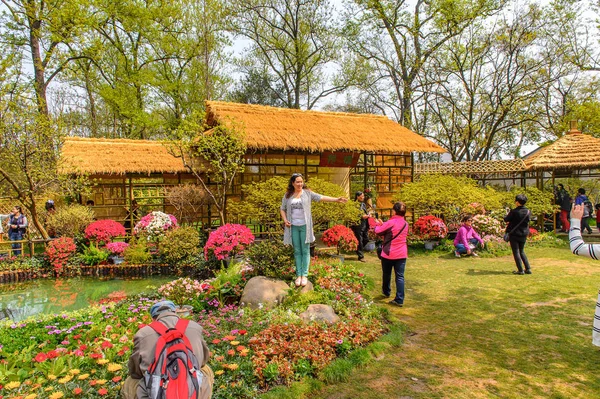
x: 155, y: 224
x: 116, y: 250
x: 181, y: 292
x: 103, y: 231
x: 340, y: 237
x: 228, y: 241
x: 430, y: 229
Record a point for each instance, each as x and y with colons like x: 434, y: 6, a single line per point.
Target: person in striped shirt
x: 579, y: 247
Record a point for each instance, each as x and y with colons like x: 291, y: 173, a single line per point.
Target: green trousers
x: 301, y: 250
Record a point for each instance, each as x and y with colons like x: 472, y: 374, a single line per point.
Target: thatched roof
x: 293, y: 129
x: 473, y: 167
x: 574, y: 150
x: 117, y: 156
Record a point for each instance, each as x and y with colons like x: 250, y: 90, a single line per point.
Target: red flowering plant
x: 227, y: 241
x: 117, y: 248
x: 104, y: 230
x: 533, y: 232
x: 341, y: 237
x: 58, y: 252
x: 430, y: 228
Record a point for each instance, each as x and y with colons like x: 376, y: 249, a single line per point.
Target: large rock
x: 264, y: 292
x: 320, y: 313
x: 307, y: 288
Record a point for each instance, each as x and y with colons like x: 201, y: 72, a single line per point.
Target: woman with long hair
x: 298, y: 224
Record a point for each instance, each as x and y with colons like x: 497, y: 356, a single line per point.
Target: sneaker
x: 362, y: 260
x: 528, y: 271
x: 475, y: 254
x: 396, y: 303
x: 298, y: 281
x: 385, y: 295
x: 457, y: 254
x: 518, y: 272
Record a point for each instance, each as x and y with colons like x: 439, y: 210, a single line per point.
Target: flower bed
x: 85, y: 353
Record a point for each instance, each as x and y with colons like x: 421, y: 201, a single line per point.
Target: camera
x: 376, y: 215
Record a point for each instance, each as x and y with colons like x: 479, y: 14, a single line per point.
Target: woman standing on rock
x: 297, y: 216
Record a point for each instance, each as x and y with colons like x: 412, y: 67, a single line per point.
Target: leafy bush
x: 188, y: 200
x: 341, y: 237
x: 430, y: 228
x: 70, y: 221
x: 228, y: 241
x: 485, y: 225
x: 271, y: 258
x: 104, y: 230
x: 137, y: 253
x: 92, y: 255
x: 447, y: 196
x: 180, y: 245
x: 539, y: 202
x: 59, y: 251
x: 228, y: 284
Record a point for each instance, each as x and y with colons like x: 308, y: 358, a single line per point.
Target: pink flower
x: 104, y: 230
x: 227, y: 241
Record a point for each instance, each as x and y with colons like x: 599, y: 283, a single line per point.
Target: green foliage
x: 446, y: 195
x: 592, y: 187
x: 92, y: 255
x: 338, y: 371
x: 539, y: 202
x: 228, y: 284
x: 180, y: 245
x: 271, y: 258
x: 326, y: 212
x: 137, y: 253
x: 70, y: 220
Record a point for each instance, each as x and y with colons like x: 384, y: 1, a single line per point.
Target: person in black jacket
x: 518, y: 230
x: 361, y: 231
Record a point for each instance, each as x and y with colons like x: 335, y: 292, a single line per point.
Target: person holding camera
x: 518, y: 230
x: 17, y: 225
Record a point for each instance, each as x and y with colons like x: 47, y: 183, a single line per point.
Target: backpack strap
x: 181, y: 326
x: 159, y: 327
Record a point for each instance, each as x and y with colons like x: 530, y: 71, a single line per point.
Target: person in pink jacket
x: 395, y: 252
x: 466, y: 237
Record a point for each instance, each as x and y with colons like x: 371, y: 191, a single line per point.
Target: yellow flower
x: 101, y: 382
x: 233, y: 366
x: 114, y: 367
x: 56, y: 395
x: 12, y: 385
x: 66, y: 379
x: 74, y: 372
x: 102, y: 361
x: 31, y: 396
x: 51, y: 377
x: 234, y: 343
x: 48, y: 389
x: 83, y: 376
x: 219, y: 372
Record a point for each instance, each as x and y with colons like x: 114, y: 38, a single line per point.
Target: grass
x: 471, y: 329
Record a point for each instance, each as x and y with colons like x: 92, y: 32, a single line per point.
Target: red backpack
x: 174, y: 373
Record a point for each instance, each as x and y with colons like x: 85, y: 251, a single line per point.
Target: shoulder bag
x: 507, y: 234
x: 382, y: 244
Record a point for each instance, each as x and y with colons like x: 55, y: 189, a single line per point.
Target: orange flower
x: 77, y: 391
x: 116, y: 379
x: 102, y: 391
x: 231, y: 352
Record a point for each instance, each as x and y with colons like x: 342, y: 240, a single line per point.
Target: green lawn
x: 474, y: 330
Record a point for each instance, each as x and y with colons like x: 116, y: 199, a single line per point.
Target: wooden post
x: 131, y: 222
x: 554, y: 213
x: 365, y: 171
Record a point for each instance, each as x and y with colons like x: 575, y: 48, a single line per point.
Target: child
x: 598, y: 216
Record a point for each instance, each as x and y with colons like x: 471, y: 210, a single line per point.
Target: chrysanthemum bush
x: 341, y: 237
x: 227, y: 241
x: 430, y: 228
x: 85, y: 353
x: 104, y: 230
x: 155, y: 224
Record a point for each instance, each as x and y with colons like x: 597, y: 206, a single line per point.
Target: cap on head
x: 160, y: 307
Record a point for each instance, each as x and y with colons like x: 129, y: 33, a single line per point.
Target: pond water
x: 21, y: 300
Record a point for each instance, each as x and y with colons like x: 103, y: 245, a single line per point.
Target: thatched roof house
x: 117, y: 157
x: 293, y: 129
x: 572, y: 151
x: 472, y: 168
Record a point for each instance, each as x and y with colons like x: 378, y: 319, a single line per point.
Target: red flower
x: 430, y: 228
x: 102, y: 391
x: 96, y: 355
x: 341, y: 237
x: 77, y: 391
x: 83, y: 347
x: 104, y: 230
x: 242, y: 332
x: 116, y: 379
x: 58, y: 252
x: 76, y: 336
x: 41, y: 357
x: 106, y: 344
x: 227, y: 241
x: 93, y: 383
x: 52, y: 354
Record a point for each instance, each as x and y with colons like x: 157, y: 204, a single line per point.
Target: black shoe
x: 518, y: 272
x: 528, y: 271
x: 396, y: 303
x: 362, y: 260
x: 385, y: 295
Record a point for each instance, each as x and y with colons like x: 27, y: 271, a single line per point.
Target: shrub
x: 228, y: 284
x: 180, y: 245
x: 104, y: 230
x: 485, y: 225
x: 271, y: 258
x: 155, y: 224
x: 430, y: 228
x: 341, y: 237
x: 228, y: 241
x: 188, y: 200
x: 117, y: 248
x: 538, y: 202
x: 92, y: 255
x: 183, y: 290
x: 58, y: 252
x: 137, y: 253
x: 70, y: 221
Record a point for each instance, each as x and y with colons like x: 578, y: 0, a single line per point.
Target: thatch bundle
x: 574, y: 150
x: 293, y: 129
x: 117, y: 156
